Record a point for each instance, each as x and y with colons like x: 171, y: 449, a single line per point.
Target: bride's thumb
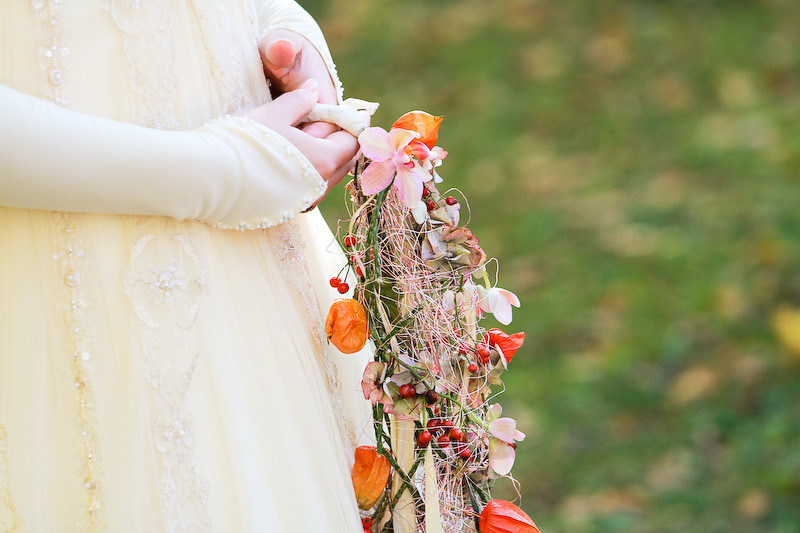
x: 290, y: 107
x: 280, y: 53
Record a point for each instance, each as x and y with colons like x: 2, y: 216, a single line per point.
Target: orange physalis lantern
x: 370, y: 474
x: 508, y: 344
x: 423, y: 123
x: 346, y: 325
x: 500, y: 516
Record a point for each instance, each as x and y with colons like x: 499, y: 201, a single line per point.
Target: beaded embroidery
x: 71, y: 300
x: 52, y: 51
x: 74, y: 308
x: 165, y: 283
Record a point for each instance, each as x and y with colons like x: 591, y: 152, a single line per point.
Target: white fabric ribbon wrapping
x: 433, y: 517
x: 351, y: 115
x: 404, y: 516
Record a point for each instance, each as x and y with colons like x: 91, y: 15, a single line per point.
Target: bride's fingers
x: 281, y: 53
x: 335, y: 179
x: 320, y: 130
x: 281, y: 56
x: 341, y: 172
x: 344, y: 147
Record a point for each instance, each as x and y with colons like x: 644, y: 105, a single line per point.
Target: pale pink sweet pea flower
x: 505, y: 429
x: 504, y: 434
x: 498, y: 302
x: 387, y: 150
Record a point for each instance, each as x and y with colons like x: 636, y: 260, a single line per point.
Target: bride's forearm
x: 231, y: 173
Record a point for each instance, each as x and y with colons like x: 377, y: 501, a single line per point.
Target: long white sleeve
x: 232, y: 173
x: 288, y: 15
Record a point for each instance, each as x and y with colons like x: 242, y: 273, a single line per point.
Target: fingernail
x: 310, y: 85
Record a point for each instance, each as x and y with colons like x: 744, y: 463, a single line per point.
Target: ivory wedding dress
x: 163, y: 368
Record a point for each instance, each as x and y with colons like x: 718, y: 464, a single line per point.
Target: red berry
x: 431, y: 396
x: 366, y: 522
x: 465, y: 453
x: 425, y: 192
x: 407, y: 391
x: 450, y: 200
x: 472, y: 368
x: 350, y: 241
x: 463, y: 349
x: 483, y: 351
x: 343, y: 287
x: 359, y: 271
x: 457, y: 434
x: 446, y: 424
x: 444, y: 441
x: 335, y: 282
x: 424, y: 436
x: 513, y: 445
x: 431, y: 205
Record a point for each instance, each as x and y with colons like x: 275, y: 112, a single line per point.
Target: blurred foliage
x: 635, y: 166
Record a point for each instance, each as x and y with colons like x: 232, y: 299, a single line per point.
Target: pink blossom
x: 498, y: 302
x: 502, y: 442
x: 390, y: 161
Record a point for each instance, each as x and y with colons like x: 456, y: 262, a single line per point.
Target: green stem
x: 396, y: 329
x: 373, y: 229
x: 475, y: 507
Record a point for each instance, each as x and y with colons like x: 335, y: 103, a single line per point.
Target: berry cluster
x: 431, y: 204
x: 339, y: 285
x: 447, y: 435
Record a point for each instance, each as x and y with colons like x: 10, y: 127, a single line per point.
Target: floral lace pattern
x: 165, y: 283
x: 287, y: 242
x: 146, y: 31
x: 224, y: 58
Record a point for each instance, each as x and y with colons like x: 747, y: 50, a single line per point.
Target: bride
x: 162, y: 361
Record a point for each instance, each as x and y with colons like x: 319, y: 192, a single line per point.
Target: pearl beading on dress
x: 52, y: 51
x: 69, y: 259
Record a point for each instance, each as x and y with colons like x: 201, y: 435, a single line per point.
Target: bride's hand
x: 289, y: 61
x: 333, y: 155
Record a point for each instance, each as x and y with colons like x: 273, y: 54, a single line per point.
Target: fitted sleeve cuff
x: 271, y: 180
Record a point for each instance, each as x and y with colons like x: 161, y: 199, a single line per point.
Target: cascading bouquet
x: 422, y: 286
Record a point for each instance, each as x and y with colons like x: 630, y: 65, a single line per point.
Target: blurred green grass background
x: 634, y: 167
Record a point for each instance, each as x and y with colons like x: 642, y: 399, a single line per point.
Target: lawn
x: 635, y: 168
